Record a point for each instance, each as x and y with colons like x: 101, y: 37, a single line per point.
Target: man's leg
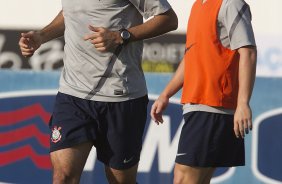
x: 192, y: 175
x: 120, y: 140
x: 68, y: 163
x: 209, y: 176
x: 127, y: 176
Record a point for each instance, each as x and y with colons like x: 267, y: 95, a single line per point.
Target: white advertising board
x: 34, y: 14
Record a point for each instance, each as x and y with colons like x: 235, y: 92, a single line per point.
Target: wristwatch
x: 125, y: 35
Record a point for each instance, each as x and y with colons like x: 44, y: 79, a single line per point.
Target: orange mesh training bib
x: 211, y: 70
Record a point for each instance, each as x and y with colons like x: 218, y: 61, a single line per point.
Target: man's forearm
x: 176, y: 82
x: 247, y: 73
x: 54, y: 30
x: 156, y: 26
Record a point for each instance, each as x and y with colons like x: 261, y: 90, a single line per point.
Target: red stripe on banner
x: 24, y: 133
x: 9, y: 157
x: 13, y: 117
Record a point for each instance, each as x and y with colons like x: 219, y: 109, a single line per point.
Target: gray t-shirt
x: 234, y: 24
x: 104, y: 76
x: 234, y: 31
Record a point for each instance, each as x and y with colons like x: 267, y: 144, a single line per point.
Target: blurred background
x: 28, y: 87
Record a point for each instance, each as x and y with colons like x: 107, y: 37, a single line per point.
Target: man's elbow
x: 174, y: 25
x: 171, y: 21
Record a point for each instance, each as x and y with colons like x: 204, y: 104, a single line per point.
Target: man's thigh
x: 192, y: 175
x: 70, y: 161
x: 127, y: 176
x: 121, y: 128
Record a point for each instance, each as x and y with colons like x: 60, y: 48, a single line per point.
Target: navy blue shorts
x: 208, y: 140
x: 115, y: 128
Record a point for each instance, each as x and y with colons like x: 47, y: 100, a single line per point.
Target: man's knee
x: 180, y: 175
x: 192, y: 175
x: 68, y: 163
x: 62, y: 177
x: 127, y: 176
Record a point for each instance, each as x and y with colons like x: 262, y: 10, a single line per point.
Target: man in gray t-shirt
x: 102, y: 97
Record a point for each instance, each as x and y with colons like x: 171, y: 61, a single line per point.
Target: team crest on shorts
x: 56, y: 134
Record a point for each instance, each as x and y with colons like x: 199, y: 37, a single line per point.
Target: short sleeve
x: 149, y: 8
x: 237, y: 21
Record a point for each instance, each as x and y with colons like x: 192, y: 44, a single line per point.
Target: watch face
x: 125, y: 35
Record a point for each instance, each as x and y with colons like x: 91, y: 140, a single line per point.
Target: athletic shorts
x: 208, y: 140
x: 115, y: 128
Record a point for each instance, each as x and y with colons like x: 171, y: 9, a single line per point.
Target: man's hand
x: 242, y: 120
x: 103, y: 39
x: 29, y: 43
x: 157, y: 108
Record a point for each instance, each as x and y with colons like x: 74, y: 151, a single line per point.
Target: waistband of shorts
x: 205, y: 108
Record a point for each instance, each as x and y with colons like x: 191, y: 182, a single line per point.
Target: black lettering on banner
x: 160, y: 54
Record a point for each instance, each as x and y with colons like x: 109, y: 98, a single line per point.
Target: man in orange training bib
x: 217, y: 75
